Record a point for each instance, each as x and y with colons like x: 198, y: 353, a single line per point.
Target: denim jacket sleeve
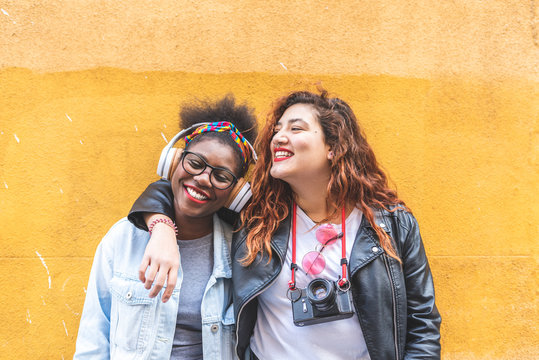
x: 157, y: 198
x: 93, y: 338
x: 423, y: 323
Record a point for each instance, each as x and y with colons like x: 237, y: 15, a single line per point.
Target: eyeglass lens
x: 195, y: 165
x: 313, y: 262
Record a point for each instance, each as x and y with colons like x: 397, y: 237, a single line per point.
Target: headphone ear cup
x: 170, y: 157
x: 176, y: 158
x: 239, y: 196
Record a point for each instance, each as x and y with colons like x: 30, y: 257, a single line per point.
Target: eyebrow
x: 292, y: 121
x: 207, y: 162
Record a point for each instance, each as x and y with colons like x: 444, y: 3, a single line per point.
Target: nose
x: 203, y: 179
x: 279, y: 139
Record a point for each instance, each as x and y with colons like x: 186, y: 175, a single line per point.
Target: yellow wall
x: 447, y: 91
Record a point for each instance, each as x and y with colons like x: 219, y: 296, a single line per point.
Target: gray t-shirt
x: 197, y: 266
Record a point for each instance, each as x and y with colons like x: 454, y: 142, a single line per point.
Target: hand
x: 160, y: 259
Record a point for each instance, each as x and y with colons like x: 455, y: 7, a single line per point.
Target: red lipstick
x: 277, y: 159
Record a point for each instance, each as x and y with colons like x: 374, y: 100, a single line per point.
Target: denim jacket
x: 120, y: 320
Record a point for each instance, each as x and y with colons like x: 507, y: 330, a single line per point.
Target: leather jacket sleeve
x: 157, y: 198
x: 423, y: 320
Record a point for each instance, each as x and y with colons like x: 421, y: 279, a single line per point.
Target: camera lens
x: 321, y: 293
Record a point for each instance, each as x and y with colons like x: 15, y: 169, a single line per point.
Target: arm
x: 423, y: 324
x: 94, y: 329
x: 160, y: 257
x: 157, y: 198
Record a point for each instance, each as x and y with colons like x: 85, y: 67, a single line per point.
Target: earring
x: 330, y: 155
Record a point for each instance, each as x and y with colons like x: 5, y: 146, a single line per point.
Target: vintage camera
x: 321, y: 301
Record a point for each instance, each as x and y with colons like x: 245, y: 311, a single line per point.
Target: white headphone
x: 171, y: 156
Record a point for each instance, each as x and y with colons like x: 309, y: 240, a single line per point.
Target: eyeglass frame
x: 186, y: 152
x: 329, y: 242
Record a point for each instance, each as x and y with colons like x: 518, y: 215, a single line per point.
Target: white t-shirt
x: 275, y: 335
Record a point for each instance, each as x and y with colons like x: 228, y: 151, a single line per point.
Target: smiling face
x: 194, y: 195
x: 300, y: 153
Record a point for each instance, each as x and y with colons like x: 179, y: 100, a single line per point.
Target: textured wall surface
x: 447, y: 92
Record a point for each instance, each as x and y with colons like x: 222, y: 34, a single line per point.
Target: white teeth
x: 195, y: 194
x: 280, y: 154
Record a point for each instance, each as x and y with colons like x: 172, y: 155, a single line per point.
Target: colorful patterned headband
x: 222, y: 126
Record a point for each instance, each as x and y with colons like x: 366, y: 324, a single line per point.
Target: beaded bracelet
x: 164, y: 221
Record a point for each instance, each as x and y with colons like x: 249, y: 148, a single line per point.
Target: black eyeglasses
x: 194, y: 164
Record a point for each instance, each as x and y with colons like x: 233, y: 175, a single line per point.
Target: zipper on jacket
x: 255, y: 295
x: 394, y: 307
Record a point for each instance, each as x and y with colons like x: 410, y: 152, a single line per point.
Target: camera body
x: 321, y: 301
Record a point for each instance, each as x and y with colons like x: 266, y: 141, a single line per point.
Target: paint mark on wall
x: 65, y: 328
x: 163, y: 135
x: 43, y: 300
x: 71, y: 309
x: 284, y: 67
x: 7, y: 14
x: 67, y: 116
x: 136, y: 128
x: 61, y: 191
x: 16, y: 138
x: 28, y: 319
x: 84, y: 289
x: 81, y: 142
x: 5, y: 185
x: 46, y: 268
x: 65, y: 282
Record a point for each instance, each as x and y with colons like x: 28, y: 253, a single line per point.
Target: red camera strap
x: 293, y: 266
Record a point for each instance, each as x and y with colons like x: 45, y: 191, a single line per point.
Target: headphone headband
x: 166, y: 155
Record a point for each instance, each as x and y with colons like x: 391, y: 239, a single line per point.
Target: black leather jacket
x: 394, y: 303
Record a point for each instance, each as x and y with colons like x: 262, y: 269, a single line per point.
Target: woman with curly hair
x: 120, y: 320
x: 329, y: 262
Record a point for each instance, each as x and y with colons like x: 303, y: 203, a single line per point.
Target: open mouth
x: 196, y: 195
x: 282, y: 154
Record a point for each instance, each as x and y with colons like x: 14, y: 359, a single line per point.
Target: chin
x: 195, y: 211
x: 281, y: 175
x: 276, y: 174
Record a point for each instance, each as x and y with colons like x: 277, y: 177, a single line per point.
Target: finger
x: 150, y: 276
x: 142, y: 268
x: 158, y: 284
x: 171, y: 283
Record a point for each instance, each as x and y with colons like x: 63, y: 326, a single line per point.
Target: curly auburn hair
x: 355, y: 176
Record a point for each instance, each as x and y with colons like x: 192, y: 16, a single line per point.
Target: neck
x: 193, y: 228
x: 311, y: 198
x: 313, y: 202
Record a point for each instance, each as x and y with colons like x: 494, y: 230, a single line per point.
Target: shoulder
x: 122, y: 228
x: 122, y: 235
x: 396, y: 215
x: 401, y: 225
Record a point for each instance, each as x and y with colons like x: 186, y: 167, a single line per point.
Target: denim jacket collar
x: 222, y: 238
